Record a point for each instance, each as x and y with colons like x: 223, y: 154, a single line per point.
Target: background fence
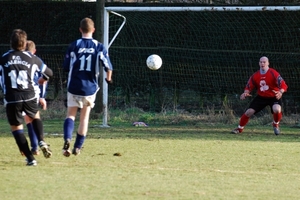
x: 207, y: 56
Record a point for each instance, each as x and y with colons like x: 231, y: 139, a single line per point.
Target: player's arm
x: 248, y: 88
x: 44, y: 70
x: 281, y: 85
x: 245, y: 94
x: 108, y: 78
x: 108, y: 68
x: 46, y: 74
x: 42, y: 99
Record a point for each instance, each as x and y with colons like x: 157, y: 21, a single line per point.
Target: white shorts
x: 80, y: 101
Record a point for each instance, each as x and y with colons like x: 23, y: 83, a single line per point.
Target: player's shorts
x: 14, y: 111
x: 80, y: 101
x: 37, y: 96
x: 259, y: 103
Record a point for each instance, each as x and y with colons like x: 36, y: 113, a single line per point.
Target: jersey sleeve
x: 104, y: 57
x: 280, y: 82
x: 250, y: 84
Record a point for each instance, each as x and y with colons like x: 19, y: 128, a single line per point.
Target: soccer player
x: 17, y: 68
x: 270, y: 87
x: 40, y: 94
x: 82, y: 62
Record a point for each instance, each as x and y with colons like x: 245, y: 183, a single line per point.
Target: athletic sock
x: 22, y: 144
x: 38, y: 128
x: 68, y: 128
x: 32, y: 136
x: 79, y: 141
x: 244, y: 120
x: 277, y: 117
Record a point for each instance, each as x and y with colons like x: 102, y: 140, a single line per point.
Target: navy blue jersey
x: 17, y: 70
x: 82, y: 62
x: 42, y: 87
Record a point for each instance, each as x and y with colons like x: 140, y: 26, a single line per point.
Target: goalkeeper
x: 270, y: 87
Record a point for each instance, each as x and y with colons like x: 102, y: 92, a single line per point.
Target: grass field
x: 157, y: 162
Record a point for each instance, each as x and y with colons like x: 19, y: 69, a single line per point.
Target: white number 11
x: 88, y: 64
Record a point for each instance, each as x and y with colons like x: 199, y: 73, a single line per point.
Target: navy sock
x: 32, y: 136
x: 79, y: 141
x: 68, y: 128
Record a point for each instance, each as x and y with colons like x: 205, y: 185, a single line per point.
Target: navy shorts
x: 14, y: 111
x: 259, y: 103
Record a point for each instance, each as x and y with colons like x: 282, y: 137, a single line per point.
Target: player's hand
x: 244, y: 95
x: 43, y: 103
x: 109, y: 81
x: 42, y: 81
x: 278, y: 94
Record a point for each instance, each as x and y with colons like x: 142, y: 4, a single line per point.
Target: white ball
x: 154, y: 62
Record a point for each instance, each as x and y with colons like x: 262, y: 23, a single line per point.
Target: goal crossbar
x: 204, y: 8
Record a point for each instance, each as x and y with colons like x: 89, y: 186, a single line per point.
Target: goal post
x: 208, y: 54
x: 107, y: 42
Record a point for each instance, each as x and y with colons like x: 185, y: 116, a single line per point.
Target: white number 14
x: 22, y: 79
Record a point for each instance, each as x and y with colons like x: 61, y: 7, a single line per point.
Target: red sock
x: 277, y: 117
x: 244, y: 120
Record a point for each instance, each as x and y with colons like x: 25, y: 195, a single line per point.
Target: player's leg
x: 32, y: 136
x: 256, y: 105
x: 69, y: 124
x: 72, y: 103
x: 82, y: 129
x: 88, y: 104
x: 31, y: 109
x: 277, y: 115
x: 15, y: 119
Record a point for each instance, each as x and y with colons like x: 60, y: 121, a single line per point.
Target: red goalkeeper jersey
x: 266, y: 83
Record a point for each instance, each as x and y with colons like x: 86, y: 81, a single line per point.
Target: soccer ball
x: 154, y: 62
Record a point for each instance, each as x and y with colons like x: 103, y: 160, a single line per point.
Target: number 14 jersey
x: 17, y: 70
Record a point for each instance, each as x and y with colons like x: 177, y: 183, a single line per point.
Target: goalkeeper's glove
x: 109, y: 82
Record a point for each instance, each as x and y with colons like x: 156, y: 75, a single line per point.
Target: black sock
x: 38, y: 129
x: 23, y: 144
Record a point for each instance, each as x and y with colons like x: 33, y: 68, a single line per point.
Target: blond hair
x: 30, y: 46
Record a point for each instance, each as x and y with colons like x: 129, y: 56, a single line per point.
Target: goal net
x: 208, y: 56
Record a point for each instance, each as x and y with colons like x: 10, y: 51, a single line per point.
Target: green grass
x: 157, y: 162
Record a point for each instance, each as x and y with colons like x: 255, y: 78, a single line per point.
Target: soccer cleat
x: 237, y: 131
x: 45, y: 149
x: 76, y: 151
x: 31, y: 163
x: 276, y: 129
x: 66, y: 148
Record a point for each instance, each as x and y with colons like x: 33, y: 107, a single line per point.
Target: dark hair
x: 87, y: 25
x: 18, y: 40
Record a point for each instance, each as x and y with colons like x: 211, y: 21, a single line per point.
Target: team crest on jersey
x: 86, y: 50
x: 263, y: 85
